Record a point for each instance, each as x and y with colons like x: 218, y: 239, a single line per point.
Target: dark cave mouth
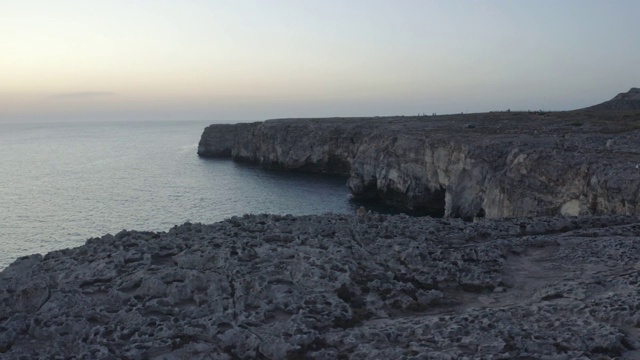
x: 434, y: 206
x: 393, y: 203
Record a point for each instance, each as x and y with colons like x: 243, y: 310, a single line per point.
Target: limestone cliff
x: 499, y: 164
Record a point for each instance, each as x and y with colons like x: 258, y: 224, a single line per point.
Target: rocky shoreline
x: 500, y: 164
x: 372, y: 286
x: 334, y: 287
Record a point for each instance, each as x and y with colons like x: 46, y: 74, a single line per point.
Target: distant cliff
x: 623, y: 101
x: 500, y: 164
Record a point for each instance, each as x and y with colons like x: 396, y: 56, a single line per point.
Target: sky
x: 243, y: 60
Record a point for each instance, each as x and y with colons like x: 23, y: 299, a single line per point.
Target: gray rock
x: 623, y: 101
x: 333, y: 286
x: 506, y: 164
x: 220, y: 145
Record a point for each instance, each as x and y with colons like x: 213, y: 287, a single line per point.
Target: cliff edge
x: 500, y: 164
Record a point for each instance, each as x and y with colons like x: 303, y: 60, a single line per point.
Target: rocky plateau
x: 334, y: 287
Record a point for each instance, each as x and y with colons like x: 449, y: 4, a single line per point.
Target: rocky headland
x: 372, y: 286
x: 499, y: 164
x: 334, y: 287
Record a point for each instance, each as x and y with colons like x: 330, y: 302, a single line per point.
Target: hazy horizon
x: 227, y: 61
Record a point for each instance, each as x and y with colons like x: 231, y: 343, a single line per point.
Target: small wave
x: 187, y: 148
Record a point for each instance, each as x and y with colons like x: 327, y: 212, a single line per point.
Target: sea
x: 63, y: 183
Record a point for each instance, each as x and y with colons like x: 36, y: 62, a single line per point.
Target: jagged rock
x: 333, y: 286
x: 505, y: 164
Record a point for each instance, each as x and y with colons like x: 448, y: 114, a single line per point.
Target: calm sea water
x: 61, y: 184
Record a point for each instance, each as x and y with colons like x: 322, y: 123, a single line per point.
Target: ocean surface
x: 62, y: 183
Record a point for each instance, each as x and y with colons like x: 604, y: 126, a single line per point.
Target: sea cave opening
x: 393, y: 203
x: 434, y: 205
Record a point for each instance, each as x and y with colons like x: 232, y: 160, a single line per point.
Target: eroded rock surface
x: 502, y: 164
x: 334, y: 287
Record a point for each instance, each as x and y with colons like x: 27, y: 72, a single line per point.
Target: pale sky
x: 240, y: 60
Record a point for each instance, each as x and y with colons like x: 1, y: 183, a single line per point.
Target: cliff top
x: 589, y: 120
x: 619, y: 114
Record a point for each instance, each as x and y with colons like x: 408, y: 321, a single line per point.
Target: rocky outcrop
x: 317, y: 145
x: 500, y: 164
x: 218, y: 140
x: 333, y: 287
x: 623, y: 101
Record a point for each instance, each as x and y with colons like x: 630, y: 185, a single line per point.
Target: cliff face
x: 218, y: 140
x: 478, y: 165
x: 308, y: 145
